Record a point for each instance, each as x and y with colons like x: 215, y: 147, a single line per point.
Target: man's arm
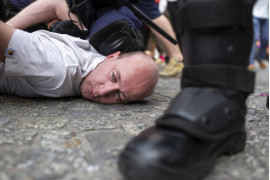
x: 41, y: 11
x: 5, y: 36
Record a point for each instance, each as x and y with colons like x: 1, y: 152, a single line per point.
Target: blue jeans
x: 261, y: 32
x: 20, y: 4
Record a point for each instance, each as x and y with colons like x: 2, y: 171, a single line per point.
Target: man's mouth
x: 91, y: 91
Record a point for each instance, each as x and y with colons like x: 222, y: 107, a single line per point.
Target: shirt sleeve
x: 30, y: 54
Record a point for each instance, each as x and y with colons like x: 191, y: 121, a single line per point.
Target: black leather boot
x: 200, y: 125
x: 207, y: 118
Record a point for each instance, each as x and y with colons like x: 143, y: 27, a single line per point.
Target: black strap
x: 203, y: 113
x: 219, y: 76
x: 148, y: 21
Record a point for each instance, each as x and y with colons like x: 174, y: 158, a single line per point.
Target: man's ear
x: 113, y: 55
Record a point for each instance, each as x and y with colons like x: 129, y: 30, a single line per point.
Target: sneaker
x: 251, y: 67
x: 262, y: 65
x: 174, y: 68
x: 160, y: 62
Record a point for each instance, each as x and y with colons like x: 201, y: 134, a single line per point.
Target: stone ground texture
x: 71, y: 138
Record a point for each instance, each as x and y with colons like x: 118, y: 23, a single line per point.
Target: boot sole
x: 134, y: 171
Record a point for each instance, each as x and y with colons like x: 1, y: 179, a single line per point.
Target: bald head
x: 121, y: 79
x: 145, y: 72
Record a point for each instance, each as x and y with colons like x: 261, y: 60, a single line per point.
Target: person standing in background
x: 175, y: 64
x: 261, y: 32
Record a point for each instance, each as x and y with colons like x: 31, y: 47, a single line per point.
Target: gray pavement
x: 71, y: 138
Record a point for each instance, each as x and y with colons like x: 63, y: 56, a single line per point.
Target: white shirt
x: 46, y: 64
x: 261, y: 9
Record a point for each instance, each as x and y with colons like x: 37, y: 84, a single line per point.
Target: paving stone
x: 12, y: 158
x: 105, y: 142
x: 16, y: 136
x: 39, y: 123
x: 86, y: 121
x: 134, y: 128
x: 5, y: 120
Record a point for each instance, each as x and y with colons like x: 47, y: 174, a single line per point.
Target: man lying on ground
x: 45, y: 64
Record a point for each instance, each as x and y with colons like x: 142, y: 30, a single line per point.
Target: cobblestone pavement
x: 72, y: 138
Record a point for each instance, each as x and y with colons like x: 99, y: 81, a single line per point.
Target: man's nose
x: 108, y: 88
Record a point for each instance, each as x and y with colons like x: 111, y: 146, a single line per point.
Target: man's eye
x: 113, y: 77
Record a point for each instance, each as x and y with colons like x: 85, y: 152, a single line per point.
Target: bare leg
x: 173, y: 51
x: 41, y: 11
x: 5, y: 35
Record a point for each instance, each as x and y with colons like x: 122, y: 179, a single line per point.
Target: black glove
x: 68, y: 27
